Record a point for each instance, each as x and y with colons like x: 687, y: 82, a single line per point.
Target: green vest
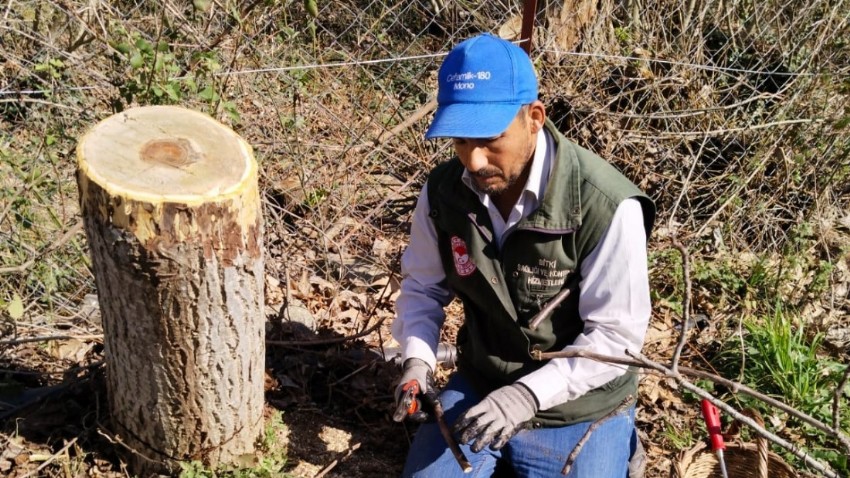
x: 502, y: 290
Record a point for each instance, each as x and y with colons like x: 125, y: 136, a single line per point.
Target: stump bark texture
x: 173, y: 219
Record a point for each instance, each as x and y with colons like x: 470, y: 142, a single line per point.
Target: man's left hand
x: 497, y: 418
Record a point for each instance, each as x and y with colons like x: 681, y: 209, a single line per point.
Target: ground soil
x: 335, y: 394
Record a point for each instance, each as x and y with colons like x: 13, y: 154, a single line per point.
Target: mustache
x: 486, y: 173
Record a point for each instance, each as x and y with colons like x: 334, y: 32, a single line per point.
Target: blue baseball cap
x: 482, y: 84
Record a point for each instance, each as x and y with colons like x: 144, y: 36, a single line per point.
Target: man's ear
x: 536, y: 116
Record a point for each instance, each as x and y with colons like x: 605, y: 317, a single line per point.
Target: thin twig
x: 375, y: 210
x: 334, y: 340
x: 6, y: 211
x: 346, y: 338
x: 228, y: 28
x: 52, y: 247
x: 152, y: 72
x: 725, y: 131
x: 42, y: 102
x: 347, y: 376
x: 825, y: 469
x: 686, y: 304
x: 410, y: 121
x: 50, y: 460
x: 116, y: 440
x: 836, y: 400
x: 731, y: 198
x: 685, y: 183
x: 593, y: 426
x: 336, y: 461
x: 167, y: 461
x: 48, y: 338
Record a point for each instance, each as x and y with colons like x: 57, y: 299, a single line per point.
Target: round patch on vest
x: 463, y: 263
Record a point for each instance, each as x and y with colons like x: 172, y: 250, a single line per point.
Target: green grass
x: 785, y: 362
x: 678, y: 438
x: 269, y: 462
x: 779, y: 352
x: 782, y: 358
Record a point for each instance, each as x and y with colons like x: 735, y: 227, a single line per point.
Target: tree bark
x: 173, y: 219
x: 567, y: 25
x: 581, y: 25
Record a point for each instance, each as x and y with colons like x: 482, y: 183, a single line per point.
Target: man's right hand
x: 415, y: 388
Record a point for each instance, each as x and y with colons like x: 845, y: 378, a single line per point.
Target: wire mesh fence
x: 730, y: 113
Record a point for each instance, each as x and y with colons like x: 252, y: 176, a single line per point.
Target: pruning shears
x: 408, y: 403
x: 712, y: 424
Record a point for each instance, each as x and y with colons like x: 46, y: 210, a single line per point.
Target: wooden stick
x: 593, y: 426
x: 547, y: 309
x: 51, y: 458
x: 336, y: 462
x: 450, y: 440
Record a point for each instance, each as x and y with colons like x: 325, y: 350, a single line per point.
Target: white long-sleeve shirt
x: 613, y: 300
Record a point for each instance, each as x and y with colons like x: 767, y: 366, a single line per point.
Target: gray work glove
x: 497, y: 418
x: 415, y: 393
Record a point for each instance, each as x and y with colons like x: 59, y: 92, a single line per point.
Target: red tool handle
x: 411, y: 390
x: 712, y: 423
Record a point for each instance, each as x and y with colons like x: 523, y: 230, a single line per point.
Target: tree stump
x: 582, y: 25
x: 568, y: 25
x: 173, y: 219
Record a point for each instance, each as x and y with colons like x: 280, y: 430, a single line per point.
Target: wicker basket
x: 743, y: 460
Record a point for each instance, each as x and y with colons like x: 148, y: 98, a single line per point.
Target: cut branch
x: 593, y: 426
x: 677, y: 375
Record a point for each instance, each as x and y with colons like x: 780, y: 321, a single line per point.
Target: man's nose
x: 477, y: 159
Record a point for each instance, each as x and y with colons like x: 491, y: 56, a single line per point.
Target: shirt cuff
x: 547, y: 385
x: 414, y: 347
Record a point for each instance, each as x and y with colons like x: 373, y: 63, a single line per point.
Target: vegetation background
x: 732, y: 114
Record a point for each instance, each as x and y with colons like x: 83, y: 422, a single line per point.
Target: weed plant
x: 779, y: 356
x: 269, y: 462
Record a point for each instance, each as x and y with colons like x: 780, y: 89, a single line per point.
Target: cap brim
x: 472, y: 120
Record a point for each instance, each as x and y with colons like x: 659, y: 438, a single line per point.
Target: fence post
x: 173, y: 219
x: 529, y: 13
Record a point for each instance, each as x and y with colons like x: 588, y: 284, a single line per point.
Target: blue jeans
x: 539, y: 452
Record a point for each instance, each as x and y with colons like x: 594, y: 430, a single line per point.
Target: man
x: 518, y: 215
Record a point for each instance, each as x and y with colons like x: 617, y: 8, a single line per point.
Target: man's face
x: 498, y: 164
